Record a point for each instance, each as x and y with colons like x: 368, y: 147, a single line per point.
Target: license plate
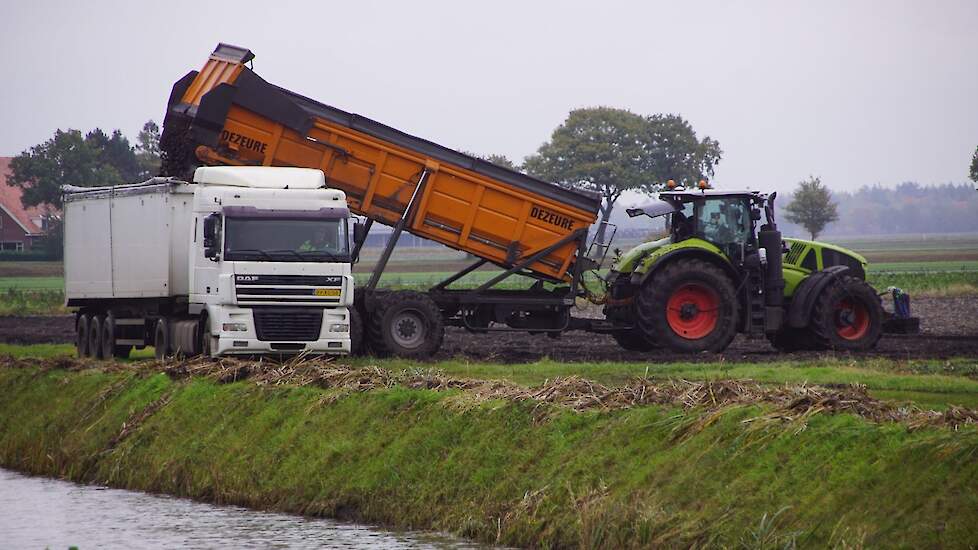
x: 327, y: 292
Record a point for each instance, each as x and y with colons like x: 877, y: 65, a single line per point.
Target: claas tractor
x: 724, y: 269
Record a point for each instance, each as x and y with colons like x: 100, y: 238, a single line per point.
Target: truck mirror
x: 359, y: 232
x: 211, y: 244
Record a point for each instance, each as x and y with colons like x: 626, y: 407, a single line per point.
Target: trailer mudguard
x: 803, y: 300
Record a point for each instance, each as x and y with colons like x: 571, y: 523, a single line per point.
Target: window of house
x: 12, y: 246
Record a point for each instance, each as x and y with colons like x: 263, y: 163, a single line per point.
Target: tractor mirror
x: 755, y: 214
x: 633, y: 212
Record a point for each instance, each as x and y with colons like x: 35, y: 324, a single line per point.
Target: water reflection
x: 46, y: 513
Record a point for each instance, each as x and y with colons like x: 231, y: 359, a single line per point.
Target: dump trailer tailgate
x: 227, y: 114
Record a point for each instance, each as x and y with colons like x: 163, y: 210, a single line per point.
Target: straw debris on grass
x: 791, y: 402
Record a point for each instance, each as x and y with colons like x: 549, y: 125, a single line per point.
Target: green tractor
x: 720, y: 272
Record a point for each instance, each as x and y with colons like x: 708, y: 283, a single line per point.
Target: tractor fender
x: 638, y: 279
x: 807, y: 292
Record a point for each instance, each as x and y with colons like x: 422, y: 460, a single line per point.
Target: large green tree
x: 148, y: 149
x: 811, y: 206
x: 610, y: 151
x: 68, y: 158
x: 974, y: 166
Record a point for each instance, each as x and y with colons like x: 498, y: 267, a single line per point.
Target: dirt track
x: 949, y: 329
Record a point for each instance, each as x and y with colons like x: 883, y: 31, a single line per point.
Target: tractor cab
x: 726, y: 219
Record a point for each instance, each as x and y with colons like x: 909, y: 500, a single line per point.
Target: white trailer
x: 243, y: 260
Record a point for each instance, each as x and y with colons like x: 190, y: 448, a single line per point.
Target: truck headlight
x: 234, y: 327
x: 339, y: 328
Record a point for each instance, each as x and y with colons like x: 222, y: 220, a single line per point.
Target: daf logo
x: 246, y: 278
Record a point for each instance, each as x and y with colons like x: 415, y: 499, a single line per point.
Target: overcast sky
x: 855, y: 92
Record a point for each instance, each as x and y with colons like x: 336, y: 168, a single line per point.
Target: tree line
x: 601, y: 149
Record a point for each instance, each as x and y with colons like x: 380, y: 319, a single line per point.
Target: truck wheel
x: 405, y: 324
x: 848, y: 316
x: 107, y: 341
x: 95, y: 336
x: 161, y: 338
x: 356, y: 332
x: 205, y: 337
x: 632, y: 340
x: 688, y: 306
x: 81, y: 335
x: 790, y: 339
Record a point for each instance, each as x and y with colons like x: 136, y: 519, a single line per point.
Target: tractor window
x: 723, y: 221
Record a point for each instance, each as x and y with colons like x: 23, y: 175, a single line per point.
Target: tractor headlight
x: 342, y: 327
x: 234, y: 327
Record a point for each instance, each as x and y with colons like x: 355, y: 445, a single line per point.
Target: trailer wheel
x: 790, y: 339
x: 405, y: 324
x: 107, y: 340
x: 95, y: 336
x: 848, y: 316
x: 688, y: 306
x: 632, y: 340
x: 161, y: 338
x: 81, y: 335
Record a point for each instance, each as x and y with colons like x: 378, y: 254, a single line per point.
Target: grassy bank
x: 516, y: 472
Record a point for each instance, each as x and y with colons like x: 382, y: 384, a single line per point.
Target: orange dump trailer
x: 226, y: 114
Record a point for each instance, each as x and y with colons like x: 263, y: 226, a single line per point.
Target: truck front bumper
x: 236, y: 334
x: 234, y: 345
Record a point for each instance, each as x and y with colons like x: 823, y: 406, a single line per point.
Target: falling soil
x: 949, y: 328
x: 790, y: 402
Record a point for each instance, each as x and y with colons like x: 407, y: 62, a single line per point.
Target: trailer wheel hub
x: 408, y: 329
x: 693, y: 310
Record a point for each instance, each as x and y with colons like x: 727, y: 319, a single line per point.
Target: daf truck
x: 238, y: 260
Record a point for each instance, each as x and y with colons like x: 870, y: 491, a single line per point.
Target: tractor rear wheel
x: 405, y: 324
x: 688, y: 306
x: 848, y: 316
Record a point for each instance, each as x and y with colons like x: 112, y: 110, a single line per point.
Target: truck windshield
x: 286, y: 240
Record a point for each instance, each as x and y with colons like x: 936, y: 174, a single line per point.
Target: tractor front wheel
x: 688, y: 306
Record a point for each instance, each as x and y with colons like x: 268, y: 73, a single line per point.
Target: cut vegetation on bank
x: 568, y: 462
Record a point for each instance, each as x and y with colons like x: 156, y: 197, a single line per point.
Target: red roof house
x: 20, y: 228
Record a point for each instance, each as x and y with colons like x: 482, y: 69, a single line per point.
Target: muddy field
x: 949, y: 329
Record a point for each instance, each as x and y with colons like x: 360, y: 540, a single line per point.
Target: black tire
x: 848, y: 316
x: 161, y: 338
x: 405, y: 324
x: 673, y: 282
x: 204, y: 343
x: 81, y: 335
x: 107, y: 341
x: 356, y: 332
x: 95, y: 337
x: 790, y: 339
x: 633, y: 340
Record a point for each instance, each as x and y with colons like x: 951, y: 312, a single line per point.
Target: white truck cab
x: 243, y: 260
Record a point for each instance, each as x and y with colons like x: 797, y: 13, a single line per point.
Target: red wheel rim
x: 851, y: 319
x: 693, y: 310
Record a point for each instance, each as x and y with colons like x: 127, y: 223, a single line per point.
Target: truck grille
x: 296, y: 289
x: 288, y: 323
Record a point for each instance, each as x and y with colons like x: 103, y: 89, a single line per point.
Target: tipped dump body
x: 225, y: 114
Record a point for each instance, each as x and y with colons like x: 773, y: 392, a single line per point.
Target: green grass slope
x: 500, y: 471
